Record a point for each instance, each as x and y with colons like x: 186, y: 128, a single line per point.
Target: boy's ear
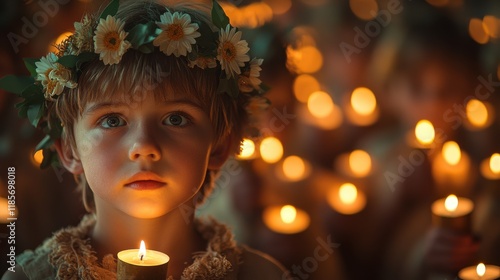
x: 219, y: 154
x: 68, y: 157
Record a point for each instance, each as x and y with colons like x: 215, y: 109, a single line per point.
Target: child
x: 144, y: 104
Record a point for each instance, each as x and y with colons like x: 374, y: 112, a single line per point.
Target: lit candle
x: 346, y: 199
x: 452, y: 167
x: 490, y: 167
x: 271, y: 149
x: 247, y: 150
x: 293, y: 169
x: 320, y: 111
x: 479, y: 114
x: 423, y: 135
x: 356, y: 164
x: 362, y: 109
x: 453, y: 212
x: 480, y: 272
x: 286, y: 219
x: 142, y: 264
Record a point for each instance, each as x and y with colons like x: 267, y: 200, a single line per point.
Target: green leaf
x: 142, y: 34
x: 219, y: 18
x: 84, y: 57
x: 16, y: 84
x: 35, y: 113
x: 111, y: 9
x: 45, y: 143
x: 68, y: 61
x: 30, y: 65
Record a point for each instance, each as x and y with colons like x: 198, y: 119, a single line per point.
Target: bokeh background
x: 379, y: 108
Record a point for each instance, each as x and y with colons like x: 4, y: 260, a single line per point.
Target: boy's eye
x: 176, y: 120
x: 112, y: 121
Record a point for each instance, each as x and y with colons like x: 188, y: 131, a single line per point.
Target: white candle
x: 286, y: 219
x: 346, y: 199
x: 480, y: 272
x: 453, y: 212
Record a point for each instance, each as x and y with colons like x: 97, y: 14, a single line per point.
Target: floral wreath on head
x: 178, y: 33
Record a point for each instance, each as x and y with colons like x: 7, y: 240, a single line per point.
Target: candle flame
x: 451, y: 152
x: 424, y: 131
x: 495, y: 163
x: 271, y: 149
x: 480, y: 269
x: 294, y: 167
x: 247, y: 148
x: 363, y: 101
x: 360, y: 163
x: 142, y: 250
x: 348, y: 193
x: 477, y: 113
x: 320, y: 104
x: 288, y: 214
x: 451, y: 203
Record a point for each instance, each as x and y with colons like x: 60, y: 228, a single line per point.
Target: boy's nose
x: 144, y: 147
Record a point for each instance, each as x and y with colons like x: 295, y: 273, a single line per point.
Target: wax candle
x: 286, y: 219
x: 423, y: 135
x: 135, y: 264
x: 480, y: 272
x: 293, y: 169
x: 490, y: 167
x: 362, y: 109
x: 346, y: 199
x: 453, y: 212
x: 452, y: 167
x: 356, y: 164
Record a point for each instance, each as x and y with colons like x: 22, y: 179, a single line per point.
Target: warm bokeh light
x: 480, y: 269
x: 320, y: 104
x: 360, y: 163
x: 451, y: 203
x: 348, y: 193
x: 363, y: 101
x: 58, y: 40
x: 495, y: 163
x: 252, y: 15
x: 142, y: 250
x: 451, y: 152
x: 247, y: 149
x: 294, y: 167
x: 38, y: 157
x: 490, y: 25
x: 288, y: 214
x: 271, y: 149
x: 279, y: 7
x: 477, y: 32
x: 306, y: 59
x: 477, y: 113
x: 364, y: 9
x: 303, y: 86
x: 424, y: 131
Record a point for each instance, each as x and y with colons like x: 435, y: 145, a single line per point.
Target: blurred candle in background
x: 490, y: 167
x: 271, y: 149
x: 479, y: 114
x: 362, y: 109
x: 422, y: 136
x: 285, y: 219
x: 451, y: 169
x: 346, y: 199
x: 247, y: 149
x: 453, y: 213
x: 293, y: 169
x: 480, y: 272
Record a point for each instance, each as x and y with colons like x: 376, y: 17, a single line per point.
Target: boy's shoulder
x: 258, y: 265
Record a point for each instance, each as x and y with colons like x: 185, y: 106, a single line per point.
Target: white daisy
x: 249, y: 80
x: 177, y: 35
x: 54, y: 76
x: 232, y: 51
x: 83, y: 35
x: 203, y: 62
x: 109, y: 40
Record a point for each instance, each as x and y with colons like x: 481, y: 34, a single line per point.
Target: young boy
x: 144, y: 104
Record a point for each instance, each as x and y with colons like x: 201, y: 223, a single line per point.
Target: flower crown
x: 179, y: 34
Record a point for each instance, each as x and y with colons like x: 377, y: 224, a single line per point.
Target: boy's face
x: 144, y: 158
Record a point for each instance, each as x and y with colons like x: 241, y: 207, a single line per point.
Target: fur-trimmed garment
x: 69, y: 255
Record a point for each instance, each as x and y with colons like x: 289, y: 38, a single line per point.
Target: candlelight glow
x: 294, y: 167
x: 142, y: 251
x: 480, y: 269
x: 288, y: 214
x: 424, y: 131
x: 490, y: 25
x: 477, y: 113
x: 451, y: 152
x: 364, y: 9
x: 306, y: 59
x: 58, y: 41
x: 271, y: 149
x: 303, y: 86
x: 451, y: 203
x: 360, y: 163
x: 495, y: 163
x: 348, y: 193
x: 279, y: 7
x: 320, y: 104
x: 38, y: 157
x: 477, y: 31
x: 363, y: 101
x: 247, y: 148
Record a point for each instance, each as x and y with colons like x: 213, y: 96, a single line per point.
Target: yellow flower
x: 109, y: 40
x: 232, y: 51
x: 177, y: 35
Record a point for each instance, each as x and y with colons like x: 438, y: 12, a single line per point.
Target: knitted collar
x: 74, y: 258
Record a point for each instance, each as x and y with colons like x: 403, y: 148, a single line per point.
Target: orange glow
x: 451, y: 152
x: 307, y: 59
x: 495, y: 163
x: 271, y: 149
x: 364, y: 9
x: 451, y: 203
x: 480, y: 269
x: 303, y: 86
x: 38, y: 157
x: 348, y: 193
x: 424, y: 131
x: 58, y: 40
x: 294, y: 167
x: 363, y: 101
x: 251, y: 16
x: 247, y: 149
x: 360, y: 163
x: 288, y: 214
x: 477, y: 32
x: 477, y: 113
x: 279, y: 7
x: 320, y: 104
x: 490, y: 25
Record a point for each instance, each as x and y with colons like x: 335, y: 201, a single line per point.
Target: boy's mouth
x: 145, y: 181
